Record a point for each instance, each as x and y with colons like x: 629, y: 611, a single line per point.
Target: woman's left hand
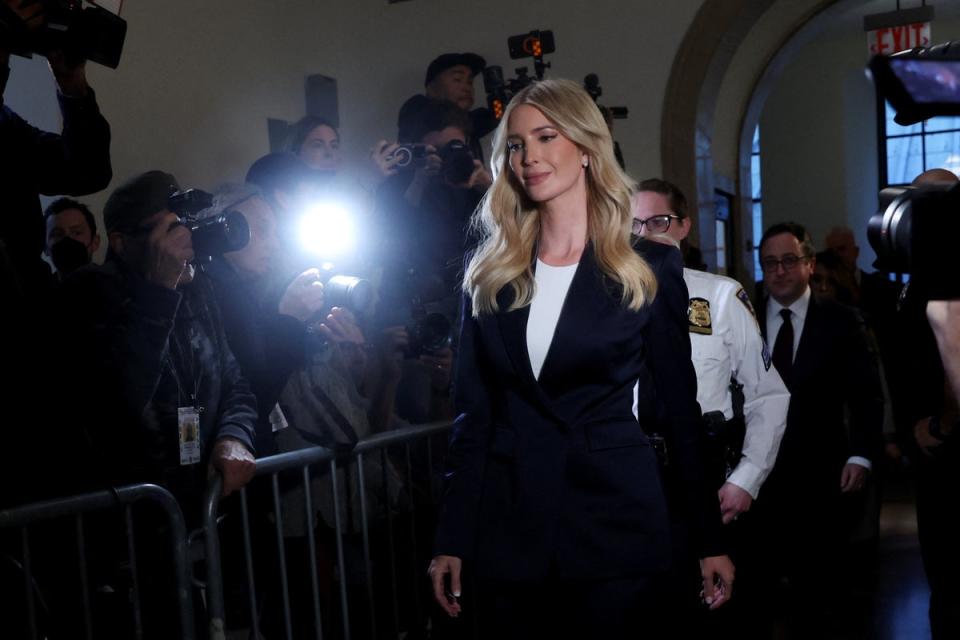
x: 717, y: 572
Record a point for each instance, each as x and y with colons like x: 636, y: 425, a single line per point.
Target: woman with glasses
x: 571, y: 343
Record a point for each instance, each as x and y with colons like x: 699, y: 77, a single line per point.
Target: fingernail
x: 709, y: 600
x: 456, y: 594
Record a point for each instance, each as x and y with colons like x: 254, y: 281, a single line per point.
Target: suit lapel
x: 577, y: 314
x: 806, y: 349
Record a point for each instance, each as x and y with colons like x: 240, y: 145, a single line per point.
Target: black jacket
x: 268, y: 345
x: 557, y: 474
x: 144, y: 350
x: 834, y: 370
x: 32, y: 162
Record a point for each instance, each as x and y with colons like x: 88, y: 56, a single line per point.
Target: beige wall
x: 199, y: 79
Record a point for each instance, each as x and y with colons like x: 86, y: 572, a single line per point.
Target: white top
x: 552, y: 284
x: 798, y: 315
x: 734, y: 348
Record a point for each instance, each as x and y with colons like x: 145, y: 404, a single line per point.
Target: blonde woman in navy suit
x: 570, y: 343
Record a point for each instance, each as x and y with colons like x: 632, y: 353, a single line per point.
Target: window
x: 757, y: 205
x: 905, y: 152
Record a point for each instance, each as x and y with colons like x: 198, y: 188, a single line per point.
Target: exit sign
x: 892, y: 39
x: 898, y: 30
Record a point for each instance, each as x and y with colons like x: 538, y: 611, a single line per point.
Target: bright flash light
x: 327, y: 230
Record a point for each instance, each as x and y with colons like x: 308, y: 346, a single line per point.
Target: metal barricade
x: 24, y: 517
x: 319, y: 459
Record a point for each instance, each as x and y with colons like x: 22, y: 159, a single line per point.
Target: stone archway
x: 774, y: 30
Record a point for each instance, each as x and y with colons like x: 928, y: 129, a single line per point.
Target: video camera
x: 82, y: 30
x: 916, y: 228
x: 499, y: 91
x: 214, y: 236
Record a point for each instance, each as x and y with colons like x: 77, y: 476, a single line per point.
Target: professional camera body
x: 212, y: 236
x: 916, y: 229
x: 457, y: 159
x: 499, y: 90
x: 80, y: 29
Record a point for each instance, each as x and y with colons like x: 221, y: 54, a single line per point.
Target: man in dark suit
x: 821, y: 351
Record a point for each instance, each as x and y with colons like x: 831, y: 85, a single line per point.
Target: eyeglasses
x: 655, y: 224
x: 789, y: 262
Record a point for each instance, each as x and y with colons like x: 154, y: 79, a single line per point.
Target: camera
x: 411, y: 156
x: 534, y: 44
x: 80, y: 29
x: 456, y: 156
x: 457, y: 162
x: 212, y: 236
x: 915, y: 232
x: 429, y: 331
x: 916, y: 226
x: 348, y: 292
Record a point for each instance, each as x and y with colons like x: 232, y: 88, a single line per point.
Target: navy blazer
x: 555, y: 476
x: 835, y: 371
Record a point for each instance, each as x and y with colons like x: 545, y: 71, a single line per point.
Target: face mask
x: 68, y: 255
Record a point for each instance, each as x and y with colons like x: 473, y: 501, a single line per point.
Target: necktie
x: 783, y: 347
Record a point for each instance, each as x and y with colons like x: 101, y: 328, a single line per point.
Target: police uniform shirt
x: 726, y: 343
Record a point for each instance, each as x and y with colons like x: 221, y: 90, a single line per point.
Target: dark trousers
x: 628, y: 607
x: 938, y: 493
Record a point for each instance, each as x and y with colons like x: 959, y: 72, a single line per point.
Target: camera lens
x: 220, y: 234
x: 889, y: 231
x: 348, y: 291
x: 403, y: 156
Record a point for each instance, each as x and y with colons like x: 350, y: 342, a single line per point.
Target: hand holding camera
x: 71, y: 75
x: 303, y: 297
x: 385, y: 157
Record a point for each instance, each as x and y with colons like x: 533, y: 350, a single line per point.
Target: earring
x: 585, y: 163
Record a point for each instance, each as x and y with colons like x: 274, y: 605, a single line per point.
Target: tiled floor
x: 901, y: 596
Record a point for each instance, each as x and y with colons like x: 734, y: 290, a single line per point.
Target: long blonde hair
x: 509, y: 221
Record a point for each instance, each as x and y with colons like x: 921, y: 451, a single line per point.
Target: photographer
x: 172, y: 398
x: 267, y: 338
x: 450, y: 78
x: 423, y: 214
x: 33, y: 162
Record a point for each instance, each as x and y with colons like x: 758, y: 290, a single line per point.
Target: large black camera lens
x: 220, y: 234
x: 457, y: 162
x: 889, y: 230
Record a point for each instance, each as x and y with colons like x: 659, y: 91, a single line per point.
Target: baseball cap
x: 472, y: 61
x: 137, y: 199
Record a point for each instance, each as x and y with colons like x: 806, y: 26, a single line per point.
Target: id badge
x: 278, y: 421
x: 189, y: 422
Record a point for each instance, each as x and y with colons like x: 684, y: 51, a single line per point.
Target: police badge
x: 698, y: 316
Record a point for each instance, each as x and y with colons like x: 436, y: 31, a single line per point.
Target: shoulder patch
x: 698, y: 316
x: 745, y: 299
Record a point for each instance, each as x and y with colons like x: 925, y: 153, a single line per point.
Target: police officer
x: 729, y: 355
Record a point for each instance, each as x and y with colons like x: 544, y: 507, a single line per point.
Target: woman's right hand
x: 449, y: 600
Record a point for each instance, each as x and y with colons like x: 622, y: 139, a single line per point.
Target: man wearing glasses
x: 821, y: 351
x: 743, y: 399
